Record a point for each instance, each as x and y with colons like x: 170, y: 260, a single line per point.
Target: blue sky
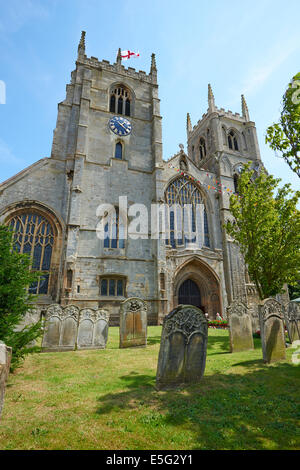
x: 239, y: 47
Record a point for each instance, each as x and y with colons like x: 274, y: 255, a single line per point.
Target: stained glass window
x: 180, y: 192
x: 33, y: 234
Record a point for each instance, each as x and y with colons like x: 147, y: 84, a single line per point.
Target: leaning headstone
x: 272, y: 333
x: 182, y: 354
x: 292, y: 318
x: 240, y: 327
x: 92, y: 329
x: 133, y: 323
x: 5, y: 359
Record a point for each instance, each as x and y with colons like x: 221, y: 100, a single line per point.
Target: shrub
x: 217, y: 324
x: 15, y: 299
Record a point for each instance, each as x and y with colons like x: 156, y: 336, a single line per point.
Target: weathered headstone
x: 52, y: 328
x: 61, y: 326
x: 133, y: 323
x: 292, y: 319
x: 92, y: 329
x: 272, y: 330
x: 68, y: 328
x: 182, y: 354
x: 240, y: 327
x: 5, y: 358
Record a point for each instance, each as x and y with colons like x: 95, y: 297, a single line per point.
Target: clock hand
x: 122, y: 126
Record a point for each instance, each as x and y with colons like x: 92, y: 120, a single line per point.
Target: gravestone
x: 52, y: 328
x: 31, y: 317
x: 292, y: 319
x: 182, y: 354
x: 240, y: 327
x: 5, y: 359
x: 69, y: 328
x: 61, y: 326
x: 92, y: 329
x: 271, y: 319
x: 133, y: 323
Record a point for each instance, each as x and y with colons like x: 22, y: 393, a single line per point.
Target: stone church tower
x: 108, y: 143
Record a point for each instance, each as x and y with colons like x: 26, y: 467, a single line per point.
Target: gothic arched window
x: 34, y: 235
x: 114, y: 230
x: 120, y: 100
x: 180, y: 192
x: 112, y: 103
x: 202, y: 148
x: 119, y: 151
x: 236, y: 183
x: 224, y: 133
x: 232, y: 141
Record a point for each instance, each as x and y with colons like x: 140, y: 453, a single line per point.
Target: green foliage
x: 294, y: 291
x: 267, y: 229
x: 15, y: 300
x: 285, y: 135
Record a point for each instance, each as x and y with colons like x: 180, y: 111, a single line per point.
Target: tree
x: 294, y: 291
x: 15, y: 299
x: 285, y: 135
x: 267, y: 229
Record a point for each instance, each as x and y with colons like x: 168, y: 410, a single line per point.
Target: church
x: 108, y: 143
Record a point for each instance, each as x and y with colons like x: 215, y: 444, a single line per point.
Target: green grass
x: 106, y: 399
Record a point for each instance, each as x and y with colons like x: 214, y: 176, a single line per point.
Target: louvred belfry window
x: 34, y: 235
x: 202, y: 149
x: 120, y: 101
x: 232, y: 141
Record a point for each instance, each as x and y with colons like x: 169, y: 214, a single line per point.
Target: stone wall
x: 5, y: 358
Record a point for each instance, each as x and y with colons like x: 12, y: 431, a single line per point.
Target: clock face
x: 120, y: 125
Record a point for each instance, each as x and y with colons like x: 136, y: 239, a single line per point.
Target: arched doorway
x: 189, y: 294
x: 196, y: 283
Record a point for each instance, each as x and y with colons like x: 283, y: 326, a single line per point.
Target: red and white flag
x: 129, y: 54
